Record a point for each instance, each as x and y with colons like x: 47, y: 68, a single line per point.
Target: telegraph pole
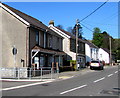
x: 110, y: 51
x: 77, y: 24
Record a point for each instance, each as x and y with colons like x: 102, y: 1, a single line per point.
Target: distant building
x: 104, y: 55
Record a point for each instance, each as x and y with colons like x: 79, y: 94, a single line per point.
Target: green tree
x: 70, y: 30
x: 116, y: 48
x: 60, y: 26
x: 97, y: 37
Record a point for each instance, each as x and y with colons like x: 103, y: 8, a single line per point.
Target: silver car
x: 96, y: 64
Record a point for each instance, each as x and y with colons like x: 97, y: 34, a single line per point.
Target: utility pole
x: 77, y: 24
x: 110, y: 51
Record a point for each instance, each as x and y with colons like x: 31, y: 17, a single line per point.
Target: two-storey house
x: 91, y: 51
x: 69, y: 45
x: 35, y: 42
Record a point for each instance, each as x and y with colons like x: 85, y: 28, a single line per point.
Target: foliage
x: 116, y: 48
x: 72, y: 30
x: 97, y: 37
x: 102, y: 40
x: 72, y: 61
x: 60, y: 26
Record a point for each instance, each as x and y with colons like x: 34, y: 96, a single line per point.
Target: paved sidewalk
x: 61, y: 75
x: 70, y: 74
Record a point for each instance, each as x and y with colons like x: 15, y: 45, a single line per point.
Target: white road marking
x: 25, y: 85
x: 116, y: 72
x: 110, y: 75
x: 99, y: 80
x: 73, y: 89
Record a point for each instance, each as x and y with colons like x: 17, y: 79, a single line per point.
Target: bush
x: 69, y: 66
x: 73, y: 64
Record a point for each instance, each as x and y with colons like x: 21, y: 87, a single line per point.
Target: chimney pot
x: 51, y: 22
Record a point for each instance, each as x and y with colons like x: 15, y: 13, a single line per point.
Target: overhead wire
x: 86, y: 27
x: 94, y: 11
x: 94, y: 23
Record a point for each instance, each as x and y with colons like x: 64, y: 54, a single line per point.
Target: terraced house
x: 36, y: 44
x: 69, y: 46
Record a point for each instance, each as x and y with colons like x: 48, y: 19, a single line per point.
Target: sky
x: 66, y: 13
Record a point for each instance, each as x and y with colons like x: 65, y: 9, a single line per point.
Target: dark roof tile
x: 49, y: 51
x: 33, y: 21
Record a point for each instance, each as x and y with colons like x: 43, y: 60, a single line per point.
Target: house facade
x: 104, y: 55
x: 36, y: 44
x: 91, y: 51
x: 69, y: 46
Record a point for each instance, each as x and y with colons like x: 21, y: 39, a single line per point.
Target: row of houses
x: 41, y: 45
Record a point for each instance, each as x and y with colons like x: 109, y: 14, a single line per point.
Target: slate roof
x: 32, y: 21
x: 72, y: 36
x: 90, y: 44
x: 107, y: 50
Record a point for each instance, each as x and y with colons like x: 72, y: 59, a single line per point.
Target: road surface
x: 95, y: 83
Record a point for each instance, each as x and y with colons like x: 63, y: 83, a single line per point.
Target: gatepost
x: 57, y: 68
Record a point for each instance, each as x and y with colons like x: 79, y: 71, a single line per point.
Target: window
x: 82, y: 46
x: 57, y: 43
x: 45, y: 36
x: 91, y: 52
x: 50, y: 42
x: 42, y: 61
x: 37, y: 38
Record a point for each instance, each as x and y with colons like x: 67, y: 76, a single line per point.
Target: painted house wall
x: 91, y: 53
x: 94, y: 53
x: 70, y: 53
x: 66, y: 43
x: 103, y: 55
x: 13, y: 33
x: 87, y: 53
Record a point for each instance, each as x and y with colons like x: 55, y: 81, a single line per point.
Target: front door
x: 36, y: 61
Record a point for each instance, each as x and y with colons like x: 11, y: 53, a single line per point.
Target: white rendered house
x: 91, y: 51
x: 104, y: 55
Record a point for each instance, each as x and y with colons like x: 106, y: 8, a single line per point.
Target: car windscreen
x: 94, y: 62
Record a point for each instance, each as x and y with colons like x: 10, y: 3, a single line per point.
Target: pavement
x: 61, y: 76
x: 86, y: 82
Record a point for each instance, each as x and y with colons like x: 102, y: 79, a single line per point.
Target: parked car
x: 96, y: 64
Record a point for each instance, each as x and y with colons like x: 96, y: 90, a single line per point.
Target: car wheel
x: 101, y: 68
x: 91, y: 68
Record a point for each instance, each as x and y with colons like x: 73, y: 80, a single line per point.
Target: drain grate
x: 113, y: 92
x: 45, y: 85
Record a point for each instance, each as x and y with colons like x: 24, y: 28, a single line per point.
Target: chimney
x: 51, y: 22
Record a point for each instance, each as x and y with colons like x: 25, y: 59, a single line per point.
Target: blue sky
x: 66, y: 13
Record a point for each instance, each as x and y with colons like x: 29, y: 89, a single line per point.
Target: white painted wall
x: 87, y: 53
x: 94, y: 54
x: 91, y: 55
x: 103, y: 55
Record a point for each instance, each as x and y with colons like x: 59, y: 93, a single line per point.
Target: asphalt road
x: 95, y: 83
